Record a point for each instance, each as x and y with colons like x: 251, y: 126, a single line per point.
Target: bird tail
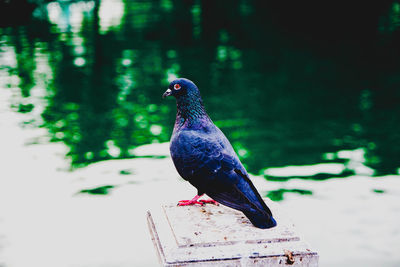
x: 260, y: 220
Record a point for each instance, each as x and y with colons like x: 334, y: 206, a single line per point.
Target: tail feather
x: 259, y: 220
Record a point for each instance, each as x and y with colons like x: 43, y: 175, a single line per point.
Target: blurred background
x: 307, y: 93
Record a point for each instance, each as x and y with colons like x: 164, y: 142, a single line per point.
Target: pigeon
x: 204, y: 157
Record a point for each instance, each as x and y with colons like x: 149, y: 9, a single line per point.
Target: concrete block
x: 219, y: 236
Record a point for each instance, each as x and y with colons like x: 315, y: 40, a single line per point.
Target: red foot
x: 209, y: 201
x: 195, y: 201
x: 189, y: 203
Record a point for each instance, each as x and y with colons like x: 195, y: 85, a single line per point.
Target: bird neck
x: 190, y: 112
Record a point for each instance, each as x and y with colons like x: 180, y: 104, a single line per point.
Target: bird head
x: 182, y: 88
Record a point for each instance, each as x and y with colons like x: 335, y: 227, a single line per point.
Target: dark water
x: 286, y: 84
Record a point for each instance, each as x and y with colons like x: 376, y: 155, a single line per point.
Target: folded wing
x: 211, y: 165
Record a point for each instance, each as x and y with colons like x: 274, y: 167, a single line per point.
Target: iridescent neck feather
x: 190, y: 111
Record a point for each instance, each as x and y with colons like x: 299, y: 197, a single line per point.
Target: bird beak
x: 167, y: 93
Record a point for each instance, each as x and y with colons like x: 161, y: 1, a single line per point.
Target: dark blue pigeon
x: 203, y: 156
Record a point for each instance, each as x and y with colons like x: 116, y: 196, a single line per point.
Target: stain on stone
x: 289, y: 257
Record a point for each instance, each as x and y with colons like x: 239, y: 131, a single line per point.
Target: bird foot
x: 189, y: 202
x: 209, y: 201
x: 195, y: 201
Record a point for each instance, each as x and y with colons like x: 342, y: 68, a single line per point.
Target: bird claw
x: 209, y: 201
x: 190, y: 202
x: 201, y: 202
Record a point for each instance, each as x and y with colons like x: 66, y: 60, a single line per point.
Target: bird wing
x: 243, y: 193
x: 197, y: 155
x: 209, y: 162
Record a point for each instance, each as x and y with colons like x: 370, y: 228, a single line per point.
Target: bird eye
x: 177, y: 86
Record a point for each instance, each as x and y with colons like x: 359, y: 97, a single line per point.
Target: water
x: 301, y: 106
x: 103, y: 70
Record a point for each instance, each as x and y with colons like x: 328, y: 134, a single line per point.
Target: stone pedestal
x: 219, y: 236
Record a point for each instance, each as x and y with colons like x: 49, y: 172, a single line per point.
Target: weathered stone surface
x: 220, y: 236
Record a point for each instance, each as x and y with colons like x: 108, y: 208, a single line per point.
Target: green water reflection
x: 284, y: 94
x: 277, y: 195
